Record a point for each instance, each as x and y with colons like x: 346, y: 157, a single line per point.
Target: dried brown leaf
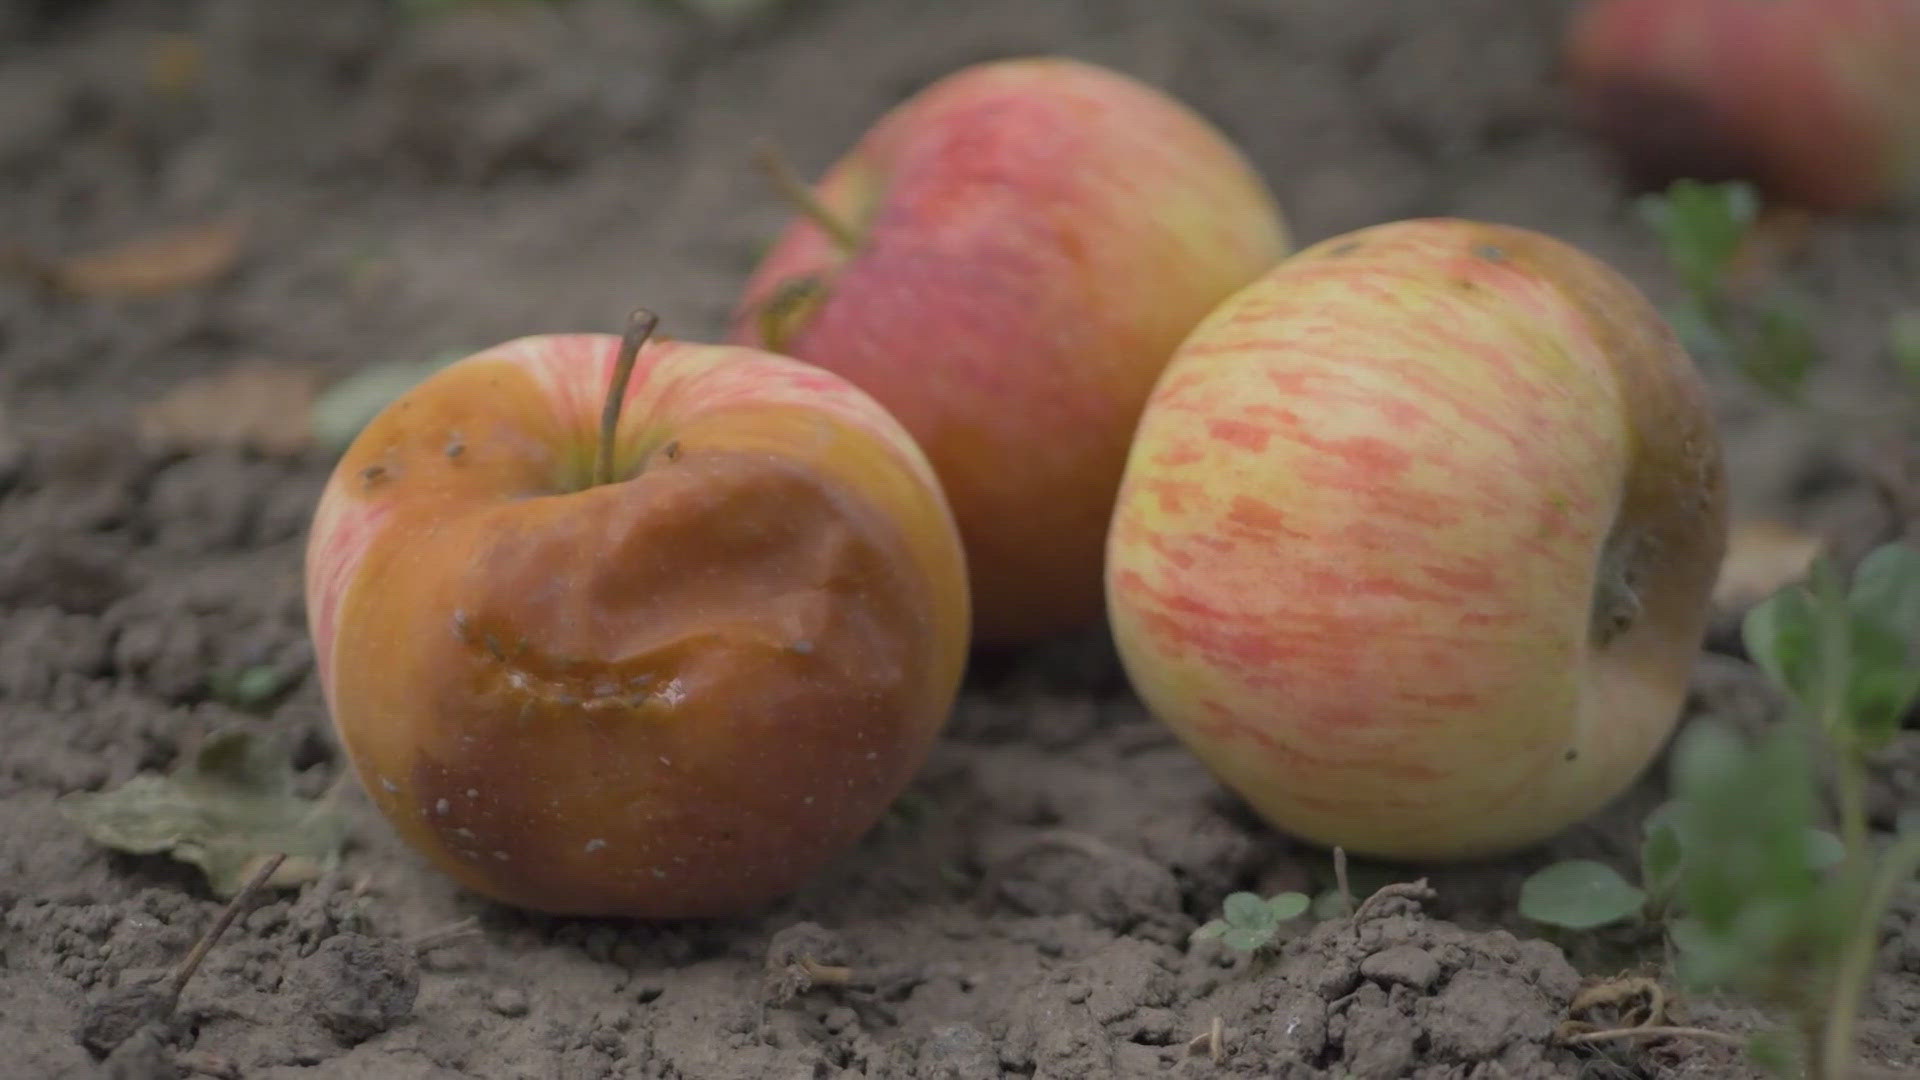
x: 163, y: 263
x: 261, y: 405
x: 1762, y: 557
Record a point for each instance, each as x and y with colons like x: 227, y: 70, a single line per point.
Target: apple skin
x: 677, y: 694
x: 1036, y: 235
x: 1415, y: 543
x: 1815, y: 101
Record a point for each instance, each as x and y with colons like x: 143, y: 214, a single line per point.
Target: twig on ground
x: 1211, y: 1042
x: 191, y: 963
x: 429, y: 940
x: 1417, y: 891
x: 1650, y: 1031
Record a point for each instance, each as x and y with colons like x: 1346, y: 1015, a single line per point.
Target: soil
x: 422, y: 179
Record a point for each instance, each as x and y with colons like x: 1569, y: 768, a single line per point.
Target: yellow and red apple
x: 1816, y: 101
x: 1005, y: 261
x: 675, y: 689
x: 1415, y: 543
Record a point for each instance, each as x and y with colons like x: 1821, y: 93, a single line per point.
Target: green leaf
x: 1783, y: 349
x: 1579, y: 894
x: 1287, y: 905
x: 249, y: 689
x: 225, y: 809
x: 1824, y: 850
x: 1770, y: 1052
x: 1782, y: 634
x: 1884, y: 602
x: 1760, y: 919
x: 1903, y: 340
x: 1245, y: 909
x: 1703, y: 226
x: 350, y: 404
x: 1660, y: 860
x: 1884, y: 679
x: 1247, y: 939
x: 1886, y: 589
x: 1208, y: 930
x: 1699, y: 332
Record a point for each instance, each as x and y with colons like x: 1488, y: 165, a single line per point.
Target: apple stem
x: 639, y: 328
x: 796, y: 191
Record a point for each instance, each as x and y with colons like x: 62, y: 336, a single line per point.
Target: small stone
x: 508, y: 1002
x: 1408, y: 965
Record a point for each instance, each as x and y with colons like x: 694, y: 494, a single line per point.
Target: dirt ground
x: 416, y: 184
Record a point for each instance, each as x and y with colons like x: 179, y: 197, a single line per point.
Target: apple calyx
x: 640, y: 327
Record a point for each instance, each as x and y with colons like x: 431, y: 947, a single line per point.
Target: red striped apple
x: 1415, y: 543
x: 1816, y: 101
x: 666, y: 673
x: 1005, y: 261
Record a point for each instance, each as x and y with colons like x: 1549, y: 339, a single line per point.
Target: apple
x: 1415, y: 544
x: 1815, y: 101
x: 1006, y: 260
x: 659, y: 658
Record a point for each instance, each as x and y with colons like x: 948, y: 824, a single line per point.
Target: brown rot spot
x: 455, y: 447
x: 373, y: 474
x: 671, y: 451
x: 1491, y: 252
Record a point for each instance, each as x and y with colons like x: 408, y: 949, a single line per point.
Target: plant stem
x: 1833, y: 1055
x: 795, y: 190
x: 639, y: 328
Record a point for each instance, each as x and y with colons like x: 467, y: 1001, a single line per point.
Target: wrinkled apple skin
x: 677, y: 694
x: 1415, y: 543
x: 1036, y: 235
x: 1815, y: 101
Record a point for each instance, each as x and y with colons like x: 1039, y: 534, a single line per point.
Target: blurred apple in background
x: 1817, y: 102
x: 672, y: 686
x: 1006, y: 261
x: 1415, y: 545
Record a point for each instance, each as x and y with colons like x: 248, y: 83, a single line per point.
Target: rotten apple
x: 617, y: 630
x: 1005, y: 261
x: 1415, y: 544
x: 1817, y: 102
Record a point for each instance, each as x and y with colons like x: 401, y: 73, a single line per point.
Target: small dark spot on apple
x: 373, y: 474
x: 456, y: 448
x: 1572, y: 753
x: 1491, y: 252
x: 671, y: 451
x: 1347, y: 248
